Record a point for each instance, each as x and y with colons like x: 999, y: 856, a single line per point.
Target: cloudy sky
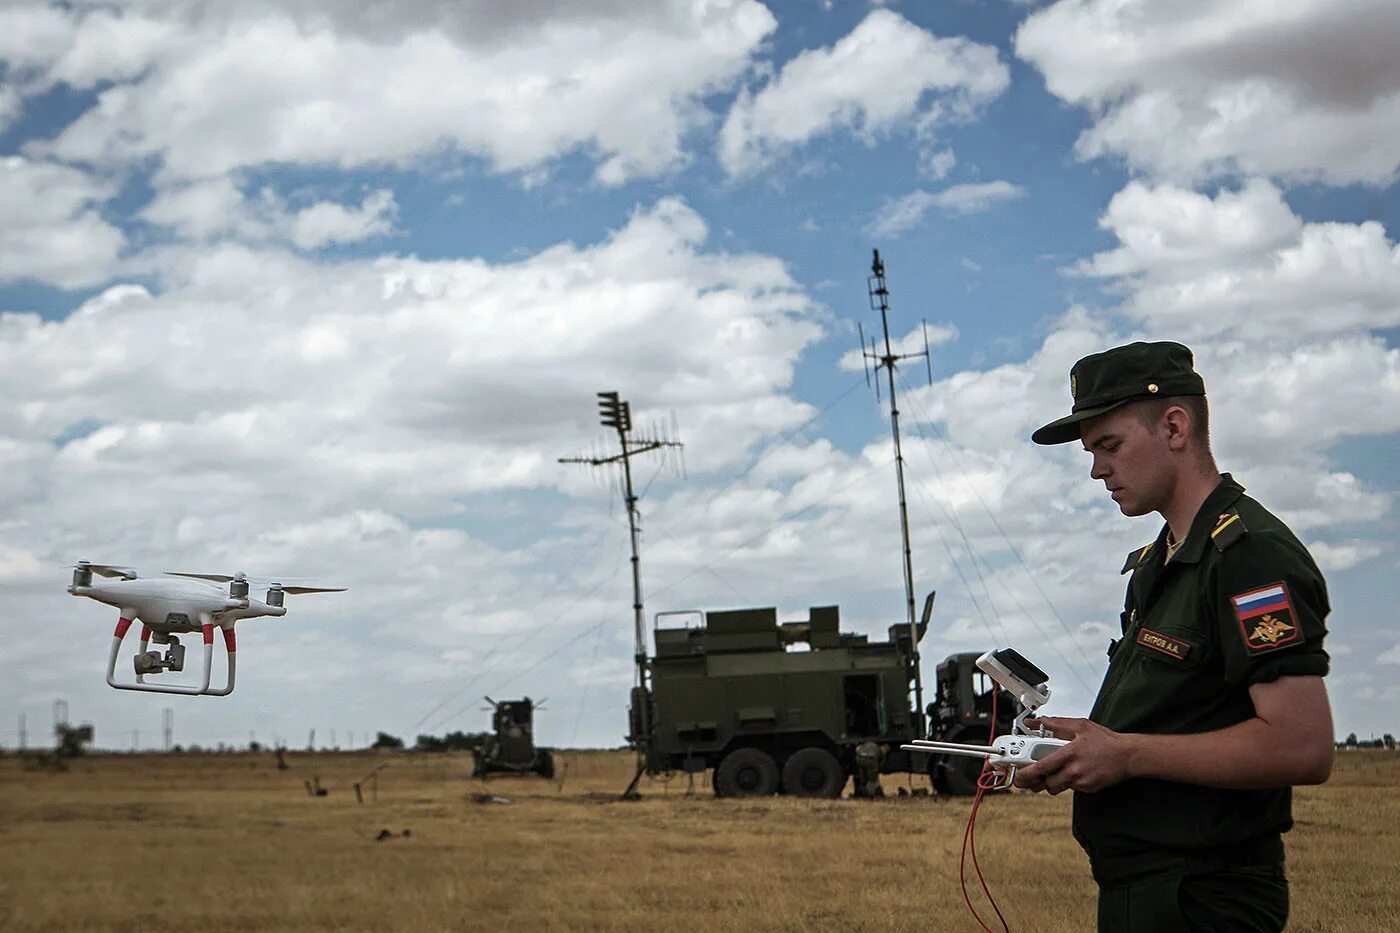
x: 324, y: 289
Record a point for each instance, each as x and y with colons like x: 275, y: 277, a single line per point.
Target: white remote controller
x: 1005, y: 752
x: 1017, y: 751
x: 1020, y: 747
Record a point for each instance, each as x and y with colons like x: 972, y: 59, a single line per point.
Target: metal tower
x: 888, y: 360
x: 617, y: 414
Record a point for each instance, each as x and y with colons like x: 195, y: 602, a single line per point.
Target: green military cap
x: 1103, y: 381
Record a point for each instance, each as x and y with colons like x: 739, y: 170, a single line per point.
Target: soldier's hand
x: 1095, y: 758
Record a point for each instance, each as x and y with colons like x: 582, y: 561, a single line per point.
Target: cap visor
x: 1066, y: 429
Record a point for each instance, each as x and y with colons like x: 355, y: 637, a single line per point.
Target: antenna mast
x: 617, y: 414
x: 879, y: 301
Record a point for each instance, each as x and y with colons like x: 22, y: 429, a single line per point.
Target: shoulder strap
x: 1228, y: 530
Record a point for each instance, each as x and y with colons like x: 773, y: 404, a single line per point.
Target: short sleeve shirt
x: 1241, y: 602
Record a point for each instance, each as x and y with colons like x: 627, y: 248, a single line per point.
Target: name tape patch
x: 1266, y: 618
x: 1166, y: 644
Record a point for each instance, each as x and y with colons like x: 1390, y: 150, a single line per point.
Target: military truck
x: 511, y: 747
x: 793, y: 707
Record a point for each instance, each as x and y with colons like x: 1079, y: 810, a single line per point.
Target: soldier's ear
x: 1176, y: 421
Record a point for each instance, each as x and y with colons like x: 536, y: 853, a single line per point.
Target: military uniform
x: 1238, y: 602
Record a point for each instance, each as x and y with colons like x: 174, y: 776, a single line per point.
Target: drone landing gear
x: 152, y: 662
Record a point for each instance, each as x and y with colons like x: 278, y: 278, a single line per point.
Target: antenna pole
x: 879, y: 300
x: 616, y: 413
x: 639, y: 630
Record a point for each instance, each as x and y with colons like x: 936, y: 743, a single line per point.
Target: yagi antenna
x: 615, y: 413
x: 874, y: 356
x: 864, y: 359
x: 888, y: 361
x: 928, y: 357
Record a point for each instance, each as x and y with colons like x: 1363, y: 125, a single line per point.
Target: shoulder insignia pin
x: 1135, y: 557
x: 1229, y: 530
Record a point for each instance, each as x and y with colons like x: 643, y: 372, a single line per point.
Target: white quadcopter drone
x: 1030, y: 686
x: 167, y: 608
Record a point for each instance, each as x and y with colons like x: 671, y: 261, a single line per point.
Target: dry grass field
x: 221, y: 843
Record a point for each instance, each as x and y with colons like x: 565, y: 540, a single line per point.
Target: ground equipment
x: 794, y: 707
x: 728, y: 694
x: 511, y: 748
x: 797, y: 707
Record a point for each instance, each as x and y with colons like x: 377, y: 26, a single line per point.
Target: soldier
x: 869, y: 757
x: 1213, y: 705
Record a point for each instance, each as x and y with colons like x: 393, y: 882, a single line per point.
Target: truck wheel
x: 746, y: 772
x: 544, y: 763
x: 813, y: 772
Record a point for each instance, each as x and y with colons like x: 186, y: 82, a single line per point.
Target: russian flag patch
x: 1266, y: 618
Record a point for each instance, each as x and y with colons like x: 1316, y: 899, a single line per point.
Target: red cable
x: 987, y: 780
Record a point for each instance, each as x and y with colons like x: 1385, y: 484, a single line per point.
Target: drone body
x: 174, y: 605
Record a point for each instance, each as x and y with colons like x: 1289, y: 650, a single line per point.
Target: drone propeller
x: 237, y: 584
x: 105, y: 570
x: 275, y: 591
x: 215, y: 577
x: 228, y: 578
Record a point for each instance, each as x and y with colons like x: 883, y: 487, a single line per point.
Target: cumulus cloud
x: 1343, y: 555
x: 447, y: 339
x: 935, y: 164
x: 907, y: 212
x: 53, y: 230
x: 10, y: 106
x: 1305, y: 89
x: 213, y: 207
x: 1292, y: 350
x: 210, y: 89
x: 326, y: 222
x: 886, y: 73
x: 1243, y: 262
x: 32, y: 36
x: 217, y: 208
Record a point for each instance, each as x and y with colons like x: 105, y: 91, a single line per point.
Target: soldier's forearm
x: 1289, y: 741
x: 1247, y: 755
